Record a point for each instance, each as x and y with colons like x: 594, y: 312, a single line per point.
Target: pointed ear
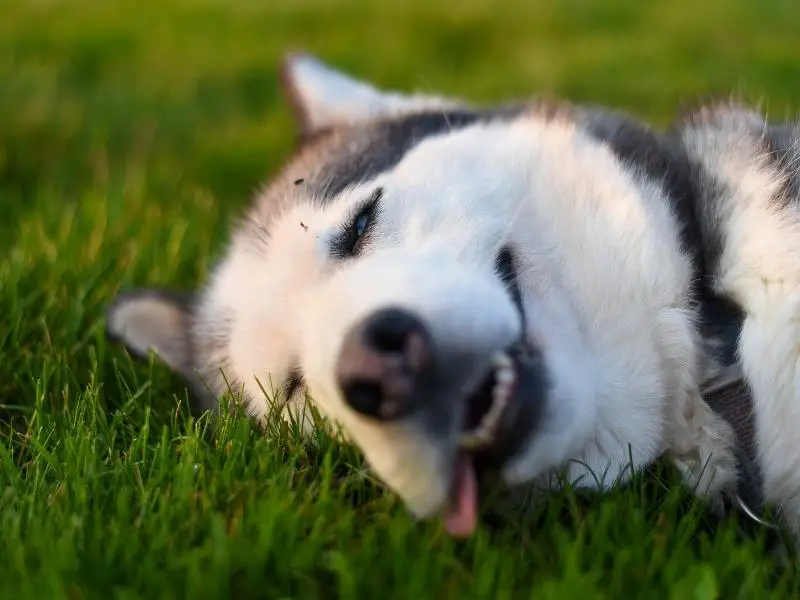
x: 322, y: 97
x: 157, y: 320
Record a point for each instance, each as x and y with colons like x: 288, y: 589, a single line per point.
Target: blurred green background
x: 131, y: 133
x: 190, y: 85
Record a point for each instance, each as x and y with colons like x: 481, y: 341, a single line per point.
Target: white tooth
x: 502, y: 360
x: 489, y: 424
x: 505, y: 377
x: 492, y: 417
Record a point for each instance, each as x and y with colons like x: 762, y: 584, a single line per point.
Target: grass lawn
x: 130, y: 134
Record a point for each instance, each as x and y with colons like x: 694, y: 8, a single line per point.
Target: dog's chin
x: 481, y: 460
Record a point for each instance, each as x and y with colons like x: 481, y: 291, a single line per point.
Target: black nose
x: 381, y: 363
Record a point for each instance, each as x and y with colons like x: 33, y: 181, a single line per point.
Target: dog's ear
x: 155, y: 320
x: 322, y: 97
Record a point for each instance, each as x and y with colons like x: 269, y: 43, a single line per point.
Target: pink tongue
x: 461, y: 517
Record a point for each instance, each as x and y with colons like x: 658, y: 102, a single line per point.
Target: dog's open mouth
x: 485, y: 410
x: 502, y: 414
x: 486, y: 406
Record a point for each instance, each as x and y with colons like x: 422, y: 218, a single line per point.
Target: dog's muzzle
x: 384, y: 363
x: 389, y: 368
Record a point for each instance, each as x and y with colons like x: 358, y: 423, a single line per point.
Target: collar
x: 730, y: 397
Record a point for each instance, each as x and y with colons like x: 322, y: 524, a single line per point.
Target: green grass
x: 130, y: 134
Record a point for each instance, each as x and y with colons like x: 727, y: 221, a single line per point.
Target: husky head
x: 388, y: 273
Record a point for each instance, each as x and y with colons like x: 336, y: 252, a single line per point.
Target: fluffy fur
x: 748, y: 193
x: 618, y: 235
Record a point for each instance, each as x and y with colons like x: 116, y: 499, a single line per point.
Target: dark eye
x: 356, y: 230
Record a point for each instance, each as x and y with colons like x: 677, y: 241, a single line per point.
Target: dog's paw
x: 702, y: 447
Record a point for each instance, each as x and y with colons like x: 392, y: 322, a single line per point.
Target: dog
x: 522, y: 294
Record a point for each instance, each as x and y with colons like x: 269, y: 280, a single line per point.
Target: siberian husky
x: 521, y: 290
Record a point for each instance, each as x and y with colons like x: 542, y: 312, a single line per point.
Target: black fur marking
x: 721, y: 322
x: 379, y: 146
x: 693, y: 192
x: 506, y: 270
x: 299, y: 181
x: 774, y: 145
x: 290, y: 385
x: 337, y: 158
x: 709, y: 193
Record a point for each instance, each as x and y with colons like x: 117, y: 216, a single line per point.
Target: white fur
x: 760, y: 269
x: 605, y: 290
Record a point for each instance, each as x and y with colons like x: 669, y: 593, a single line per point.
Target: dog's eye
x: 356, y: 230
x: 360, y: 226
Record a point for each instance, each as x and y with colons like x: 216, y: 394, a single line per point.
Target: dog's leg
x: 750, y: 222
